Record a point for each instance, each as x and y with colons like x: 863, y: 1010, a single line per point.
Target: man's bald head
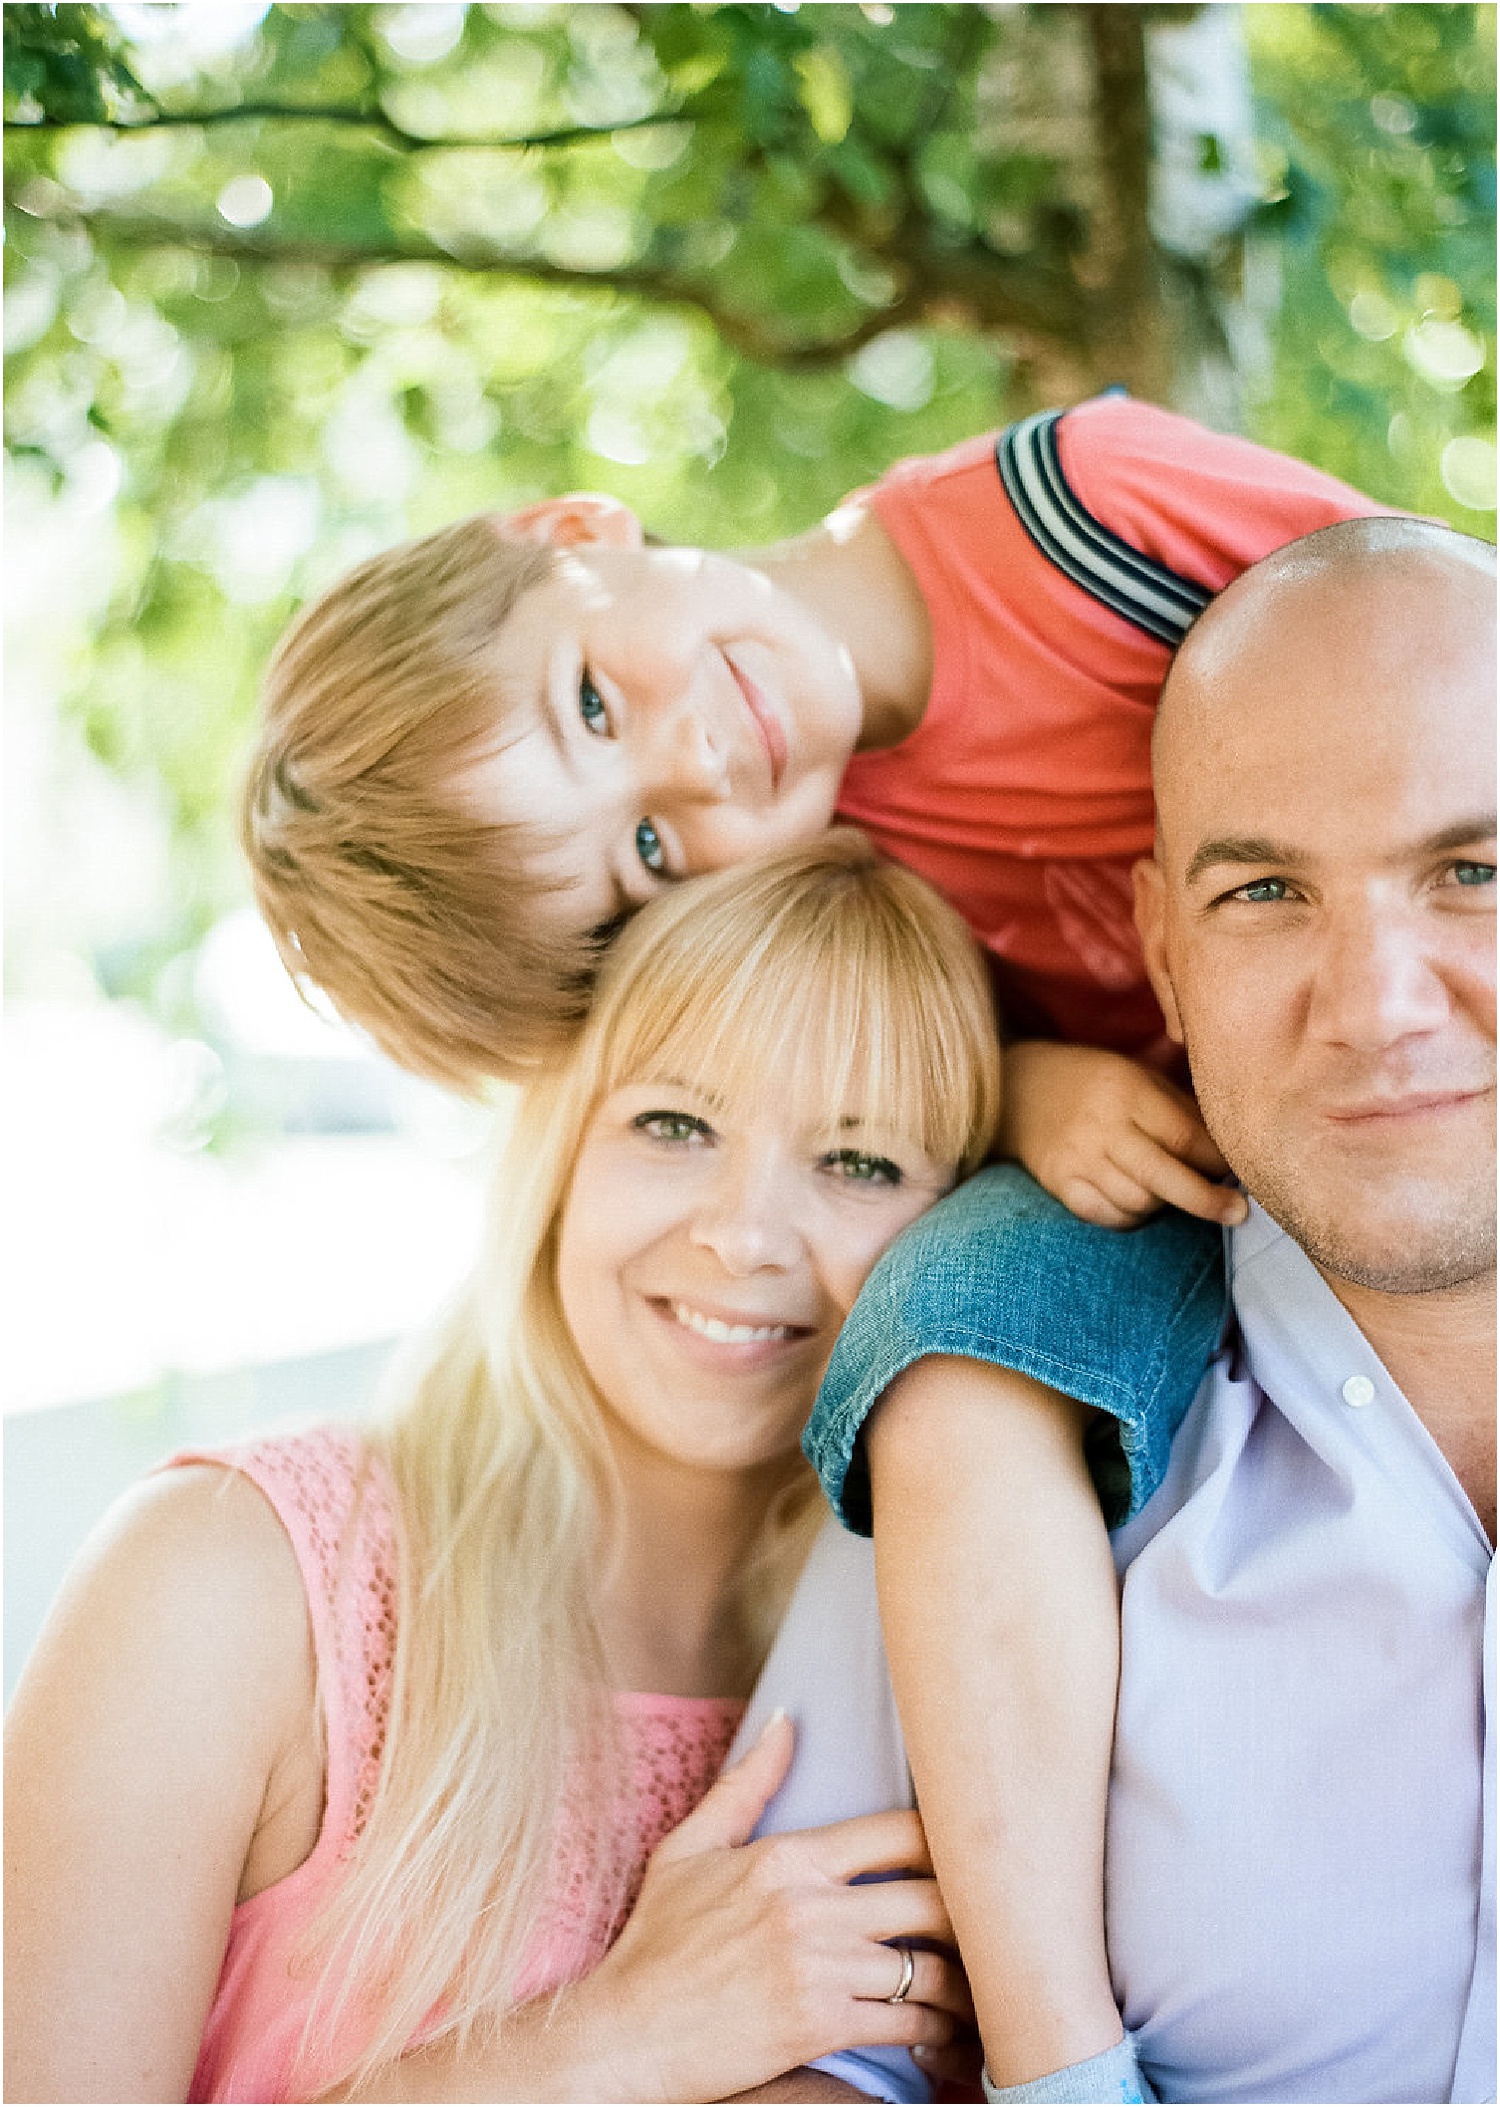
x: 1334, y: 578
x: 1318, y: 913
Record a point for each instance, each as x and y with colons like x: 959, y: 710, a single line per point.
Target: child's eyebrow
x: 604, y: 933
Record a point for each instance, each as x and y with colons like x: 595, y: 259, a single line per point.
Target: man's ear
x: 583, y: 516
x: 1151, y: 920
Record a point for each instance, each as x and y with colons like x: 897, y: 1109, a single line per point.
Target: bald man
x: 1299, y: 1852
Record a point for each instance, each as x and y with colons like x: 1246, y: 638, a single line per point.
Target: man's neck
x: 1440, y: 1348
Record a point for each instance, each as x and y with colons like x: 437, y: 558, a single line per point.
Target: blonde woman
x: 346, y: 1756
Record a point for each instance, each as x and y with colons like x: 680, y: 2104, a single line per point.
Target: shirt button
x: 1359, y: 1390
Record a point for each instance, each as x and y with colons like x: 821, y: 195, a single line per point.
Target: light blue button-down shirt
x: 1301, y: 1832
x: 1301, y: 1844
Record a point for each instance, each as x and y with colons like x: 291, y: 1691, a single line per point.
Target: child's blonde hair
x: 824, y: 979
x: 416, y: 918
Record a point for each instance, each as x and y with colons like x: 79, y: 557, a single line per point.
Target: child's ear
x: 583, y: 516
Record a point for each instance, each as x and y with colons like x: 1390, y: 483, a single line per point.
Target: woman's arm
x: 165, y: 1699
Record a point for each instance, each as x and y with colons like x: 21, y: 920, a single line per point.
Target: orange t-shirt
x: 1024, y: 794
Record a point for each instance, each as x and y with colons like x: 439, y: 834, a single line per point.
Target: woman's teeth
x: 727, y: 1334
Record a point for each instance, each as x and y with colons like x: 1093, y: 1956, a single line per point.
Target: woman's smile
x: 729, y: 1341
x: 710, y: 1252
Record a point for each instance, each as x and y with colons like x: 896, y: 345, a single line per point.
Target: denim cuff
x: 1124, y: 1320
x: 1114, y: 2076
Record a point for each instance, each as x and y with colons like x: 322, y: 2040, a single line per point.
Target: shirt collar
x: 1309, y: 1358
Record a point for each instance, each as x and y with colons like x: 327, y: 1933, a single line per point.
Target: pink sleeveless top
x: 336, y: 1504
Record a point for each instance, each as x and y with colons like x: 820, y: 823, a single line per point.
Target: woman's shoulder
x: 211, y: 1571
x: 328, y: 1489
x: 153, y: 1727
x: 192, y: 1574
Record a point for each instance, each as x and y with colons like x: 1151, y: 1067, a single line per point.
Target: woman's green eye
x: 648, y: 846
x: 591, y: 706
x: 861, y: 1169
x: 671, y: 1126
x: 1474, y: 873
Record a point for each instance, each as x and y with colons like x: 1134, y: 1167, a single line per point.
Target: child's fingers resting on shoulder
x: 1171, y: 1153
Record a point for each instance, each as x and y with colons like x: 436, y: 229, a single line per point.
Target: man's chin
x: 1413, y: 1243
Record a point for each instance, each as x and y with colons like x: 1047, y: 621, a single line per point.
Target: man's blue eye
x: 1474, y: 873
x: 861, y: 1169
x: 591, y: 706
x: 1263, y: 889
x: 648, y: 846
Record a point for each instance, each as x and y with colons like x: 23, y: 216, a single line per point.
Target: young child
x: 480, y: 749
x: 483, y: 749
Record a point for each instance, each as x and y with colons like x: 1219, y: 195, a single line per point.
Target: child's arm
x: 1110, y: 1139
x: 997, y: 1596
x: 972, y: 1333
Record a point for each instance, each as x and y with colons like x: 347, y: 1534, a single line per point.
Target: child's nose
x: 688, y: 761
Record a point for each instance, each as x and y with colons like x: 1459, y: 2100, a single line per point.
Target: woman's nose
x: 747, y: 1219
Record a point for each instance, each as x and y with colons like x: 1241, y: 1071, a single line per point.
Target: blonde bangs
x: 820, y: 979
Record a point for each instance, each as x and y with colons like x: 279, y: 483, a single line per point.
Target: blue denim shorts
x: 1000, y: 1271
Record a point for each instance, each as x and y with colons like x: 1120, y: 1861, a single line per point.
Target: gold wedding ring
x: 908, y: 1970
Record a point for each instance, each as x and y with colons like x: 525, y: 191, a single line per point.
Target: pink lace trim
x: 337, y: 1504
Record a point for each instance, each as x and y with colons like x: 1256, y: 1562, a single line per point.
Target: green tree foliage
x: 1379, y: 134
x: 362, y: 268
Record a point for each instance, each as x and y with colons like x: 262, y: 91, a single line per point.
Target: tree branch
x: 352, y: 116
x: 642, y: 281
x: 1125, y: 302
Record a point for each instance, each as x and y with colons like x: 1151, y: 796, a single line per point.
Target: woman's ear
x: 583, y: 516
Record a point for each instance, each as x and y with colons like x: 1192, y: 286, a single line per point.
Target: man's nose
x: 1377, y: 980
x: 746, y: 1217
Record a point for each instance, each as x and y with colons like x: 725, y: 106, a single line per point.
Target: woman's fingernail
x: 778, y: 1714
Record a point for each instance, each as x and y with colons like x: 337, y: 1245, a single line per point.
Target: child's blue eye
x: 591, y: 705
x: 861, y: 1169
x: 648, y: 846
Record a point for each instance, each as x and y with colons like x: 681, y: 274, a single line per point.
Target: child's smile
x: 674, y: 713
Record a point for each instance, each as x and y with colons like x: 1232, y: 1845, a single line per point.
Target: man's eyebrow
x: 1258, y: 848
x: 1459, y: 837
x: 1237, y: 848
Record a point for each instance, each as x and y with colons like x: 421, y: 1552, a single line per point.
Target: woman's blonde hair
x: 823, y: 978
x: 416, y: 918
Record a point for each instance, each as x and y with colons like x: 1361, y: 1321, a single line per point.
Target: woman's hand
x: 744, y: 1960
x: 1110, y: 1139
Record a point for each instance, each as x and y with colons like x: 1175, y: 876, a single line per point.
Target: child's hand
x: 1109, y: 1138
